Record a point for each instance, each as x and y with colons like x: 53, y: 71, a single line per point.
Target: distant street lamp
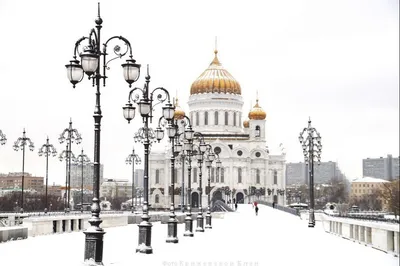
x: 69, y: 135
x: 46, y: 150
x: 133, y: 159
x: 312, y: 147
x: 20, y: 144
x: 3, y: 138
x: 82, y: 160
x: 66, y: 155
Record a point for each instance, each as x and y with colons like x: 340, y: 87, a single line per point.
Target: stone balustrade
x: 380, y: 235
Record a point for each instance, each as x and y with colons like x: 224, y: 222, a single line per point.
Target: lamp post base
x: 172, y: 229
x: 94, y: 245
x: 145, y: 235
x: 200, y: 222
x: 311, y: 218
x: 188, y: 225
x: 208, y: 220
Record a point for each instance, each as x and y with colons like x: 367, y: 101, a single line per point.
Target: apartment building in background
x: 14, y: 180
x: 326, y: 172
x: 385, y: 168
x: 88, y: 172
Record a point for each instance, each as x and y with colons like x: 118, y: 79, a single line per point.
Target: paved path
x: 271, y: 238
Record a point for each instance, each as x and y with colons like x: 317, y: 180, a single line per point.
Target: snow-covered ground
x: 271, y: 238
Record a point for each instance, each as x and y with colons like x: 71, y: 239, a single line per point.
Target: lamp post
x: 312, y: 147
x: 3, y: 138
x: 133, y: 159
x: 188, y: 147
x: 82, y: 160
x: 144, y: 99
x: 208, y: 162
x: 95, y: 51
x: 69, y: 135
x: 45, y: 150
x: 172, y: 130
x: 67, y: 156
x: 20, y: 143
x: 199, y: 152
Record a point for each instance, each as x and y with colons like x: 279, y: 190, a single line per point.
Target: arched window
x: 157, y: 199
x: 222, y: 174
x: 205, y: 118
x: 258, y: 132
x: 197, y: 119
x: 239, y: 175
x: 194, y: 175
x: 226, y: 118
x: 234, y: 119
x: 212, y: 174
x: 216, y: 118
x: 217, y: 173
x: 275, y: 177
x: 258, y: 176
x: 157, y: 176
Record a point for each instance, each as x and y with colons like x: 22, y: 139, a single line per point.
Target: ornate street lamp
x: 82, y: 160
x: 188, y: 147
x: 46, y: 150
x: 3, y: 138
x: 20, y: 144
x: 172, y: 130
x: 144, y: 100
x: 68, y: 156
x: 312, y: 147
x: 69, y: 135
x: 210, y: 156
x: 199, y: 150
x: 133, y: 159
x: 94, y: 63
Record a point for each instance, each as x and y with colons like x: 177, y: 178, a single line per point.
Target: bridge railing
x: 280, y: 207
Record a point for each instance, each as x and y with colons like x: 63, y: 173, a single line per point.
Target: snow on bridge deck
x: 241, y: 238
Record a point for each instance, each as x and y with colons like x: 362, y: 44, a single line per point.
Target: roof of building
x: 215, y: 79
x: 257, y: 113
x: 368, y: 179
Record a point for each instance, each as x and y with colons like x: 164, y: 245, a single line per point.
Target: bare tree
x: 390, y: 192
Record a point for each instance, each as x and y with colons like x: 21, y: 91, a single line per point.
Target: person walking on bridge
x: 256, y: 209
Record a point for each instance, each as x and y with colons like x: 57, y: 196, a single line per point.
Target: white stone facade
x: 245, y: 158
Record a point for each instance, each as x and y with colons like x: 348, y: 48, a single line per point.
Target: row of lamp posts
x: 47, y: 150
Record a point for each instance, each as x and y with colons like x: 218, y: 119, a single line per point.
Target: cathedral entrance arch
x: 239, y: 197
x: 217, y: 195
x: 195, y: 200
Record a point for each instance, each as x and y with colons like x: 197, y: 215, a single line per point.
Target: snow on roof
x: 369, y: 179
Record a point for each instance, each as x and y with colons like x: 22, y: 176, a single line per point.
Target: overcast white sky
x: 336, y: 61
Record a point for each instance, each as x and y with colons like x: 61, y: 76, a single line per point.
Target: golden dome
x: 179, y: 113
x: 257, y: 113
x: 215, y: 79
x: 246, y: 123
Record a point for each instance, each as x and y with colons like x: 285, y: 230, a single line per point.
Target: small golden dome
x: 179, y: 113
x: 257, y: 113
x: 215, y: 79
x: 246, y: 123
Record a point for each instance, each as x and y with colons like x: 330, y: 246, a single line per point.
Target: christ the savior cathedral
x: 248, y: 171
